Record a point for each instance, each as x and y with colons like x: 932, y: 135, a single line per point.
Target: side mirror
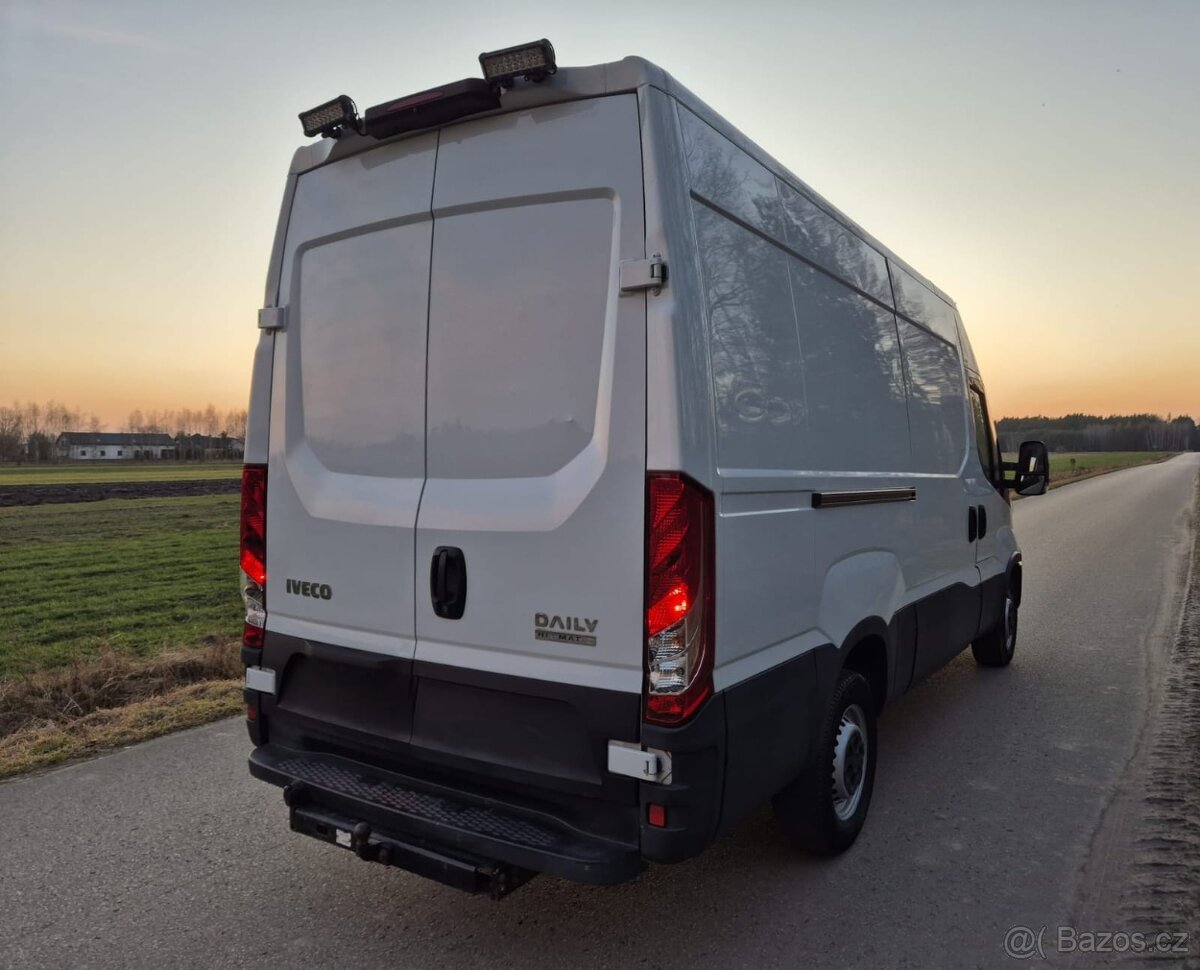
x: 1031, y: 469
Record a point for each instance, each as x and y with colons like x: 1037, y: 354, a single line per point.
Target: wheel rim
x: 1010, y: 624
x: 850, y: 754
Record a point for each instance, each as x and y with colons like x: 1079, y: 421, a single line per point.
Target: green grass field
x: 1066, y: 465
x: 116, y: 471
x: 134, y: 576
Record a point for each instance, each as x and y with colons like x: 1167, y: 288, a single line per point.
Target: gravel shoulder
x: 1142, y: 875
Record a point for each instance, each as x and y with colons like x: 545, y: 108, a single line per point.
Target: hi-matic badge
x: 578, y: 630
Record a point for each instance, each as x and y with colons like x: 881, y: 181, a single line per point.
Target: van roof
x: 626, y: 75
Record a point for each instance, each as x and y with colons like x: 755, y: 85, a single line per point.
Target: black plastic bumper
x: 435, y: 831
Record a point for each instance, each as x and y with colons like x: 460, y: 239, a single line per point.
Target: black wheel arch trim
x: 831, y: 660
x: 1015, y: 577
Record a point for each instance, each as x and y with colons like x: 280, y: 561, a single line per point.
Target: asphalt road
x: 988, y: 810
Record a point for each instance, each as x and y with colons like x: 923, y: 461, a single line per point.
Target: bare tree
x: 12, y: 432
x: 235, y: 423
x: 211, y: 421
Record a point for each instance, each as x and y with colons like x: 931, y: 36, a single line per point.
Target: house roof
x: 115, y: 438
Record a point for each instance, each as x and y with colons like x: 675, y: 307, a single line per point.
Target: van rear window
x: 519, y: 308
x: 361, y: 331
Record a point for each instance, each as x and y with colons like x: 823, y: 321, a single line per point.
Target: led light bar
x: 534, y: 62
x: 328, y: 119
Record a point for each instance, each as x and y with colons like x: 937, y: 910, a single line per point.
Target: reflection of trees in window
x: 757, y: 375
x: 793, y: 349
x: 854, y: 379
x: 914, y: 299
x: 727, y: 176
x: 814, y: 233
x: 935, y: 400
x: 983, y: 435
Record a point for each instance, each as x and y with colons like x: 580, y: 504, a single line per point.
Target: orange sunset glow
x: 1037, y: 161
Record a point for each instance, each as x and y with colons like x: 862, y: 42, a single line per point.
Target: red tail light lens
x: 254, y: 554
x: 679, y: 597
x: 252, y: 636
x: 254, y: 523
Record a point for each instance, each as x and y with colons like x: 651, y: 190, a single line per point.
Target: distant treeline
x: 28, y: 430
x: 1091, y: 432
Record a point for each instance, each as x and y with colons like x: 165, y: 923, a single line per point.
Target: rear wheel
x: 996, y: 647
x: 824, y: 809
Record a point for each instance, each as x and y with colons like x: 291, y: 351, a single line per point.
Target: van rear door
x: 347, y: 438
x: 535, y: 429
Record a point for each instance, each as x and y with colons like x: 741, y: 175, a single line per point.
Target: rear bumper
x: 442, y: 756
x: 427, y: 828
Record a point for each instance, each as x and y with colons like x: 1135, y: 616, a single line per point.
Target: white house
x: 113, y: 446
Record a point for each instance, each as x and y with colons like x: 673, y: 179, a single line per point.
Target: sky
x: 1039, y: 161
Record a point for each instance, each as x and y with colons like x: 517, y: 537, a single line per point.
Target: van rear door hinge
x: 272, y: 318
x: 643, y: 274
x: 629, y: 759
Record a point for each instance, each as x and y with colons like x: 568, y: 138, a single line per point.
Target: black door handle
x: 972, y: 524
x: 982, y: 521
x: 448, y: 582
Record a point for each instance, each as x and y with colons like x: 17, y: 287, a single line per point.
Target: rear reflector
x: 679, y: 597
x: 437, y: 106
x: 656, y: 815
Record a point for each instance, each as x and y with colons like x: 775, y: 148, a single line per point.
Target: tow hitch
x: 470, y: 874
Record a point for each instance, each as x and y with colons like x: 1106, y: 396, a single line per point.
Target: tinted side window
x: 984, y: 441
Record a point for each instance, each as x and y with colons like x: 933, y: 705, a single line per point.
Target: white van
x: 603, y: 481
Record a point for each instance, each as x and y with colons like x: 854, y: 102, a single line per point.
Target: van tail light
x: 679, y: 597
x: 254, y: 554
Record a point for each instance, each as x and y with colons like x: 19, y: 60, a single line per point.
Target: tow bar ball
x: 533, y: 62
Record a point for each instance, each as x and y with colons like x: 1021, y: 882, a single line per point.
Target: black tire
x: 809, y: 810
x: 996, y: 647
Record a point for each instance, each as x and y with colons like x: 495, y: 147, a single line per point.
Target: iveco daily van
x: 603, y: 482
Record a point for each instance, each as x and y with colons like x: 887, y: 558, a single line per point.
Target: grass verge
x: 1075, y: 466
x: 184, y: 707
x: 114, y: 700
x: 1067, y: 467
x: 136, y: 577
x: 122, y: 622
x: 74, y: 473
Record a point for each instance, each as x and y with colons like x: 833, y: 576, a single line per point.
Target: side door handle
x: 448, y: 582
x: 982, y: 521
x: 972, y: 524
